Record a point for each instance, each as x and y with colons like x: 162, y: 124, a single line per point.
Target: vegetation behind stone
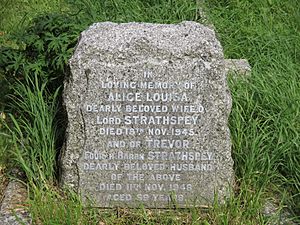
x: 38, y: 38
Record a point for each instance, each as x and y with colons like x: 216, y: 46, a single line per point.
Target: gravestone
x: 147, y: 108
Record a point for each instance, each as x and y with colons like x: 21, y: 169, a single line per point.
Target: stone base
x: 12, y: 210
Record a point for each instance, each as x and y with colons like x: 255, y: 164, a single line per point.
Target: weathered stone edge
x: 12, y: 211
x: 237, y: 66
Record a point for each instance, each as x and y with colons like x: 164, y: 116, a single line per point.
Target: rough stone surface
x: 162, y: 139
x: 278, y: 215
x: 12, y: 211
x: 239, y: 66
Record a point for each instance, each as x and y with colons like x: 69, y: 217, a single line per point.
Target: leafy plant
x: 33, y: 66
x: 43, y: 49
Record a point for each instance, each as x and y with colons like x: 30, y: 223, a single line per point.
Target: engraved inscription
x: 160, y: 122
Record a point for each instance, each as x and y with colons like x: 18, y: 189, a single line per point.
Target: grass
x: 4, y: 155
x: 157, y: 11
x: 55, y: 207
x: 16, y: 14
x: 33, y: 132
x: 264, y: 121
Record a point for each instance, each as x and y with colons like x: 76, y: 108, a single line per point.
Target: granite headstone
x: 147, y: 107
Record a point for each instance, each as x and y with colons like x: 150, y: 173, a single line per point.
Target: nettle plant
x: 42, y: 49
